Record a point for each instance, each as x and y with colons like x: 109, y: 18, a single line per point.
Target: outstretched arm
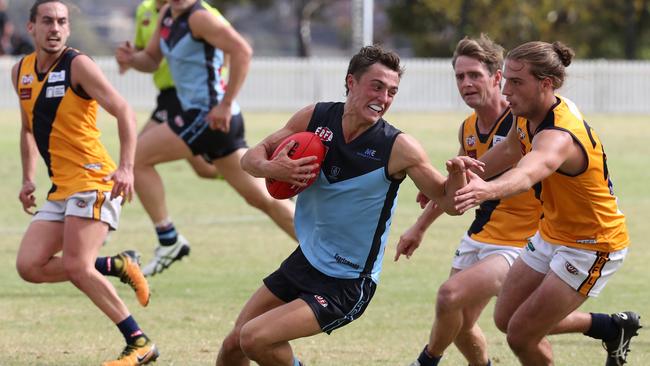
x: 88, y: 76
x: 551, y: 149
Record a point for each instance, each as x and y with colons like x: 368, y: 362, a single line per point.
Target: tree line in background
x: 614, y: 29
x: 594, y: 28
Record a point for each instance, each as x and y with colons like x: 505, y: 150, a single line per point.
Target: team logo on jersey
x: 55, y: 77
x: 27, y: 79
x: 321, y: 300
x: 471, y: 140
x: 25, y: 93
x: 570, y: 268
x: 324, y: 133
x: 166, y: 28
x: 522, y: 135
x: 56, y: 91
x: 147, y: 18
x: 369, y: 154
x: 179, y: 121
x: 334, y: 172
x: 496, y: 139
x: 472, y: 154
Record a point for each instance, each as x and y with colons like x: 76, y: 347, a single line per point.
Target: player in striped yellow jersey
x: 59, y: 91
x: 494, y: 239
x: 582, y: 238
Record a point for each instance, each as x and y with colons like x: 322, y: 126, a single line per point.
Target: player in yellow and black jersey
x: 582, y: 238
x: 501, y: 227
x: 59, y: 90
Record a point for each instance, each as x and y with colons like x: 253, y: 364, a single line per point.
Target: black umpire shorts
x: 168, y: 106
x: 335, y: 301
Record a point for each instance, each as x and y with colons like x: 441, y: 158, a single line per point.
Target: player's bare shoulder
x: 406, y: 152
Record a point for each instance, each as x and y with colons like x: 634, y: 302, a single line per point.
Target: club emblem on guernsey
x: 27, y: 79
x: 321, y: 300
x: 335, y: 171
x: 522, y: 135
x: 324, y: 133
x: 471, y: 140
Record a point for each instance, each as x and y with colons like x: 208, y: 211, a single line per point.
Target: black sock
x: 130, y: 330
x: 109, y: 266
x: 425, y: 359
x: 167, y: 235
x: 602, y: 327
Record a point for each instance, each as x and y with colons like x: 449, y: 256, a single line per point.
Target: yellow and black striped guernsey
x: 64, y: 124
x: 507, y: 221
x: 580, y: 210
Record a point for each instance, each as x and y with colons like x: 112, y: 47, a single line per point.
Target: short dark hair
x: 34, y: 10
x: 368, y: 56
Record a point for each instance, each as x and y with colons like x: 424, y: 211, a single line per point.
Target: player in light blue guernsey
x: 193, y: 41
x: 342, y: 220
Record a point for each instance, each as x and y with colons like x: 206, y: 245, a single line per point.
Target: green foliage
x: 594, y: 28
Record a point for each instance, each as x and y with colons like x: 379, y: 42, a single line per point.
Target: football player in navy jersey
x: 342, y: 220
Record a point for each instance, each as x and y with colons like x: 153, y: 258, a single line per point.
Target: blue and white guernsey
x: 343, y: 219
x: 194, y: 63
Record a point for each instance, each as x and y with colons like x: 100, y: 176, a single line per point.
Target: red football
x: 307, y: 144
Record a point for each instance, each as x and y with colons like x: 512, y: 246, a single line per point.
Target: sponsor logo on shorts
x: 529, y: 246
x: 161, y: 115
x: 586, y: 241
x: 179, y: 121
x: 81, y: 203
x: 321, y: 300
x: 571, y: 269
x: 324, y: 133
x: 457, y: 253
x: 345, y: 261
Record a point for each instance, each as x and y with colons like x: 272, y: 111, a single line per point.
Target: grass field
x: 195, y: 303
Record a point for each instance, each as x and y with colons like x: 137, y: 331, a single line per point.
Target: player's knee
x: 76, y: 271
x: 447, y: 299
x: 28, y: 271
x: 501, y: 321
x: 231, y: 344
x: 250, y: 342
x: 518, y: 342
